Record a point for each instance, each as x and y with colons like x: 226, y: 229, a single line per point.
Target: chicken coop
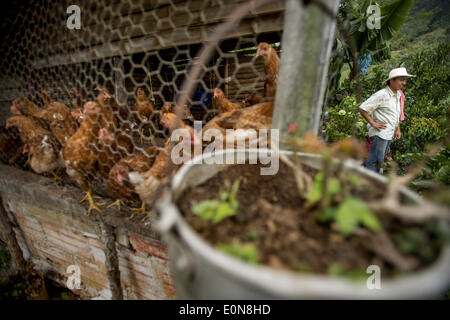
x: 59, y: 61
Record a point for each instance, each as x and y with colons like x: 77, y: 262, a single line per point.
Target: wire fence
x: 90, y: 105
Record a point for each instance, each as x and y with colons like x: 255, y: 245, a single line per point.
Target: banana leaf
x: 392, y: 18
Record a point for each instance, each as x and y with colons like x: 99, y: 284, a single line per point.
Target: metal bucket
x: 202, y: 272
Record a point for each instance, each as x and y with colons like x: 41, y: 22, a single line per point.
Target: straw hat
x: 399, y: 72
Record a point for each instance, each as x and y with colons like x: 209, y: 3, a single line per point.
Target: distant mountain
x: 427, y: 16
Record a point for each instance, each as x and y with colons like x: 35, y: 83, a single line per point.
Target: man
x: 385, y: 110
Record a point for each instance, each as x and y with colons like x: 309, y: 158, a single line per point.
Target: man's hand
x: 398, y: 135
x: 378, y: 125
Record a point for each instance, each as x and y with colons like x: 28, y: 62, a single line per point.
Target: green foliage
x: 217, y: 210
x: 426, y: 116
x: 349, y: 214
x: 393, y: 16
x: 341, y: 120
x: 315, y: 194
x: 246, y: 252
x: 426, y: 16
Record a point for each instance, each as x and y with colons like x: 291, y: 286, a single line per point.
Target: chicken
x: 63, y: 125
x: 148, y: 183
x: 77, y: 115
x: 28, y: 128
x: 143, y: 110
x: 112, y: 147
x: 253, y: 98
x: 223, y: 104
x: 119, y: 185
x: 77, y: 104
x: 80, y: 152
x: 143, y: 107
x: 258, y: 116
x: 166, y: 108
x: 43, y: 147
x: 45, y: 154
x: 79, y: 98
x: 255, y: 117
x: 25, y: 107
x: 271, y: 67
x: 121, y: 114
x: 185, y: 113
x: 172, y: 122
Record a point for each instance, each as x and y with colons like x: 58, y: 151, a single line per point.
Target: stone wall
x: 55, y: 232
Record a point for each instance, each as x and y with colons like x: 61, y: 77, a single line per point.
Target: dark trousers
x: 377, y: 152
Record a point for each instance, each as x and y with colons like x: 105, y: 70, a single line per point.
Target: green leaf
x: 234, y: 189
x: 204, y: 205
x: 353, y: 211
x: 217, y: 210
x: 315, y: 193
x: 333, y: 186
x: 346, y: 218
x: 224, y: 210
x: 369, y: 220
x: 392, y: 17
x: 223, y: 195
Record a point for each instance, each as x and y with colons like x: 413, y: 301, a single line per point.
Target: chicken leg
x: 142, y: 209
x: 142, y: 136
x: 92, y: 204
x: 116, y: 203
x: 55, y: 176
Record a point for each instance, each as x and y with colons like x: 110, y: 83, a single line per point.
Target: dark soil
x: 288, y: 235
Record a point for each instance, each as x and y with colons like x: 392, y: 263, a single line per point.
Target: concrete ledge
x: 55, y: 232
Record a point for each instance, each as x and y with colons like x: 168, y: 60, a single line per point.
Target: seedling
x: 216, y: 210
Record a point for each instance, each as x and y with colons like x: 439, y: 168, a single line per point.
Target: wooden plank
x: 143, y: 22
x: 158, y: 41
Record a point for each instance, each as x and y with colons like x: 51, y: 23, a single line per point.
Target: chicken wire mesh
x: 90, y: 105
